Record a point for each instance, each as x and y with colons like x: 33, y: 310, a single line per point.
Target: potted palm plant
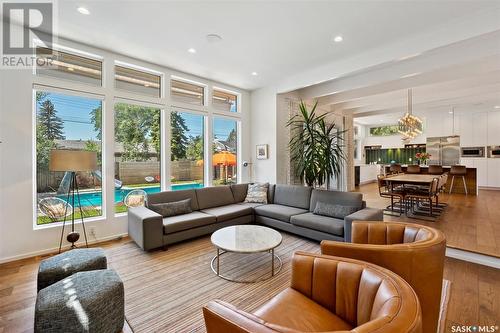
x: 315, y: 146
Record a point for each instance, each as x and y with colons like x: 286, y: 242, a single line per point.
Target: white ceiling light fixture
x: 338, y: 39
x: 255, y: 73
x: 409, y: 126
x: 192, y: 50
x: 83, y: 10
x: 497, y: 106
x: 213, y: 38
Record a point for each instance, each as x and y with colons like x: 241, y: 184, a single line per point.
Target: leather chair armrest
x: 145, y: 227
x: 365, y: 214
x: 223, y: 317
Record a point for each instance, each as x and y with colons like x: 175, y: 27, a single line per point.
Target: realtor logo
x: 22, y: 22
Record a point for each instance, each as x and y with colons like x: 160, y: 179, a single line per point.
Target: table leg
x: 218, y: 254
x: 272, y: 262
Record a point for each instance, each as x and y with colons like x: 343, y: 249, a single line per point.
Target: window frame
x: 104, y: 213
x: 56, y: 47
x: 161, y: 89
x: 109, y: 95
x: 236, y: 94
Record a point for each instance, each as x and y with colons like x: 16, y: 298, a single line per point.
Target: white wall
x: 18, y: 236
x: 263, y: 131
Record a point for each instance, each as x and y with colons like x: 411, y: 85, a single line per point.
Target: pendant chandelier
x: 409, y: 126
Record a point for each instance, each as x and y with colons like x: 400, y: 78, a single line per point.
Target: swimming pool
x: 93, y: 199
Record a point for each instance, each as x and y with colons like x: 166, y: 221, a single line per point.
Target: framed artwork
x: 262, y: 152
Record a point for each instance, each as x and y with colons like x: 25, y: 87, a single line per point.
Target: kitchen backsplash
x: 386, y: 156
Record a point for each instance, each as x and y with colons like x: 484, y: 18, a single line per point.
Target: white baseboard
x: 55, y: 249
x: 476, y: 258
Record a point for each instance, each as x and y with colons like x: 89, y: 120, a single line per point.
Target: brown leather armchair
x: 327, y: 294
x: 414, y: 252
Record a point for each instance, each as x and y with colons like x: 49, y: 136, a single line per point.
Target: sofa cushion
x: 292, y: 195
x: 257, y: 193
x: 270, y: 193
x: 239, y: 192
x: 171, y: 196
x: 278, y: 212
x: 336, y: 197
x: 250, y: 204
x: 166, y: 209
x: 186, y: 221
x: 321, y: 223
x: 228, y: 212
x: 293, y: 310
x: 332, y: 210
x: 215, y: 196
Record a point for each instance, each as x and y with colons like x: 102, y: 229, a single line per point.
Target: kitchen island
x: 458, y: 185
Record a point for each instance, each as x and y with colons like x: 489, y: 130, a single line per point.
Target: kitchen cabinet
x: 466, y: 133
x: 480, y: 129
x: 481, y: 165
x: 493, y: 166
x: 473, y: 129
x: 493, y: 128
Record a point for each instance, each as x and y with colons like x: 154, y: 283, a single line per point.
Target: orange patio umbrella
x: 224, y: 158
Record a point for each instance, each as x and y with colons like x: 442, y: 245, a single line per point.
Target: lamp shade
x: 72, y: 160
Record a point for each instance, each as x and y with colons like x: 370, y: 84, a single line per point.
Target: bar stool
x: 459, y: 171
x: 435, y: 170
x: 396, y: 168
x: 413, y: 169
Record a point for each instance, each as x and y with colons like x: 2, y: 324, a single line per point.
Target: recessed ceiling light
x: 450, y: 112
x: 497, y: 106
x: 213, y: 38
x: 83, y: 10
x: 255, y: 73
x: 338, y: 39
x: 191, y: 50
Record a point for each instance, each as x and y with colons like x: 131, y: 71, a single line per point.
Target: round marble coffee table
x: 246, y: 239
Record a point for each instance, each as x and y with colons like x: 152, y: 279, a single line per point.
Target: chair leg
x: 430, y: 205
x: 465, y: 186
x: 451, y: 186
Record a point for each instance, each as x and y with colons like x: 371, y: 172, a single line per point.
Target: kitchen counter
x: 458, y: 185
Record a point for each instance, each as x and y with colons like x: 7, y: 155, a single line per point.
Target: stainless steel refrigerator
x: 444, y: 150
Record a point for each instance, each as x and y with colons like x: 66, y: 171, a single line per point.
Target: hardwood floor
x: 474, y: 299
x: 470, y: 222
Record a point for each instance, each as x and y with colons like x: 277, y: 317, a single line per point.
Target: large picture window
x: 186, y: 150
x: 137, y: 153
x: 70, y: 123
x: 224, y: 158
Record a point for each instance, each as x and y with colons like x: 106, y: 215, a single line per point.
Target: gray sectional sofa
x: 290, y: 208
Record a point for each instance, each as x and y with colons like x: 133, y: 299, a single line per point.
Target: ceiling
x: 276, y: 39
x: 463, y: 77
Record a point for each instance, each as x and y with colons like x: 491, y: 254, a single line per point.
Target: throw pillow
x: 331, y: 210
x: 257, y: 193
x: 172, y: 208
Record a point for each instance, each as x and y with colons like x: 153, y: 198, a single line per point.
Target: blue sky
x: 75, y: 112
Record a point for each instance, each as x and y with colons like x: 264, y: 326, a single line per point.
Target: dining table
x: 424, y: 180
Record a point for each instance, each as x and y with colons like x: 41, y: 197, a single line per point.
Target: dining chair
x: 459, y: 171
x: 386, y: 192
x: 395, y: 168
x: 424, y: 195
x: 435, y: 170
x: 413, y: 169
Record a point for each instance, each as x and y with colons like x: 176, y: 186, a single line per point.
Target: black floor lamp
x: 73, y: 161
